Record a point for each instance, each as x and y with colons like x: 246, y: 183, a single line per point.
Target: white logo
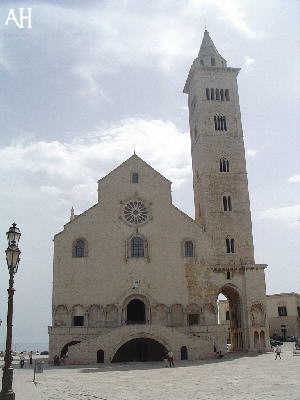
x: 12, y: 17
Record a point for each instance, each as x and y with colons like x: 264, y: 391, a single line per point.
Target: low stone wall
x: 200, y: 343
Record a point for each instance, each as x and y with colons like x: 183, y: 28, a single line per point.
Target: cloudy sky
x: 92, y: 79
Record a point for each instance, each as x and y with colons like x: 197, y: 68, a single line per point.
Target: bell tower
x: 218, y: 156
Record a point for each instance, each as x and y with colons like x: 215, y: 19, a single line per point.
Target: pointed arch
x: 112, y: 316
x: 177, y: 315
x: 79, y: 248
x: 61, y: 316
x: 96, y: 316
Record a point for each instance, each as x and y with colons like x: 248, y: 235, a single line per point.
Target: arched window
x: 216, y: 122
x: 212, y: 94
x: 227, y: 203
x: 220, y: 123
x: 78, y: 314
x: 184, y: 353
x: 207, y: 93
x: 134, y: 177
x: 217, y: 94
x: 227, y: 95
x: 230, y: 245
x: 227, y: 316
x: 222, y: 94
x: 213, y: 61
x: 79, y: 248
x: 137, y: 247
x: 224, y: 165
x: 223, y: 126
x: 188, y: 248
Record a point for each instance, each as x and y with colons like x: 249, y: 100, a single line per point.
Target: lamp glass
x: 13, y: 234
x: 13, y: 258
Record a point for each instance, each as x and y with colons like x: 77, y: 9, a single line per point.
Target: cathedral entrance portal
x: 136, y: 312
x: 140, y: 349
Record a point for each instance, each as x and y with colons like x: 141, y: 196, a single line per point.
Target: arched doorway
x: 230, y: 315
x: 140, y: 349
x: 100, y: 356
x: 64, y: 351
x: 184, y: 353
x: 136, y: 312
x: 262, y: 339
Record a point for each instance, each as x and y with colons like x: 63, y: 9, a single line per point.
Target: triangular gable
x: 139, y: 160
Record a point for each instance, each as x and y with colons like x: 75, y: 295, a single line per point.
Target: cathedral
x: 134, y: 276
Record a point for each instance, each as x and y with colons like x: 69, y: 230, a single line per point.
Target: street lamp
x: 12, y: 259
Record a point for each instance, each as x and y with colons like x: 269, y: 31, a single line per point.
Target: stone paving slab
x: 235, y: 377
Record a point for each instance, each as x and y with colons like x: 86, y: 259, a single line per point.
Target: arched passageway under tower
x: 140, y: 349
x: 233, y: 317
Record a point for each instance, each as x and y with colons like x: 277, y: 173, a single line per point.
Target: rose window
x: 135, y: 212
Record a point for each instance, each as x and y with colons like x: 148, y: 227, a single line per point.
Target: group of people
x: 22, y: 359
x: 169, y: 359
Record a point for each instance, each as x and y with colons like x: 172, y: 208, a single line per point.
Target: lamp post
x: 12, y: 259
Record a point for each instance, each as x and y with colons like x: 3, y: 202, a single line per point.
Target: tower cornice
x: 196, y: 68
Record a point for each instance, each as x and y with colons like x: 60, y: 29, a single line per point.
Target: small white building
x: 134, y: 276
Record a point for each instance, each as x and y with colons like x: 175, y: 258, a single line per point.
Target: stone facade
x: 134, y: 275
x: 284, y: 314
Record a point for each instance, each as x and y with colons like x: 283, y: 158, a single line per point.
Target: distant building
x: 134, y: 275
x: 284, y: 314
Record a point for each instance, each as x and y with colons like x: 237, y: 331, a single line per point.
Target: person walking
x: 171, y: 358
x: 278, y: 352
x: 166, y: 357
x: 30, y: 357
x: 22, y: 359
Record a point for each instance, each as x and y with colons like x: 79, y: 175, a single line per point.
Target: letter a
x: 11, y: 15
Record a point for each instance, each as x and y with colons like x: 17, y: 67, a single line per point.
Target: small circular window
x: 135, y: 212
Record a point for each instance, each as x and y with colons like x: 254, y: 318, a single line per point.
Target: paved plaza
x: 235, y: 377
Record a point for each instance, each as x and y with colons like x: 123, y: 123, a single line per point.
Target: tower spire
x: 208, y: 54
